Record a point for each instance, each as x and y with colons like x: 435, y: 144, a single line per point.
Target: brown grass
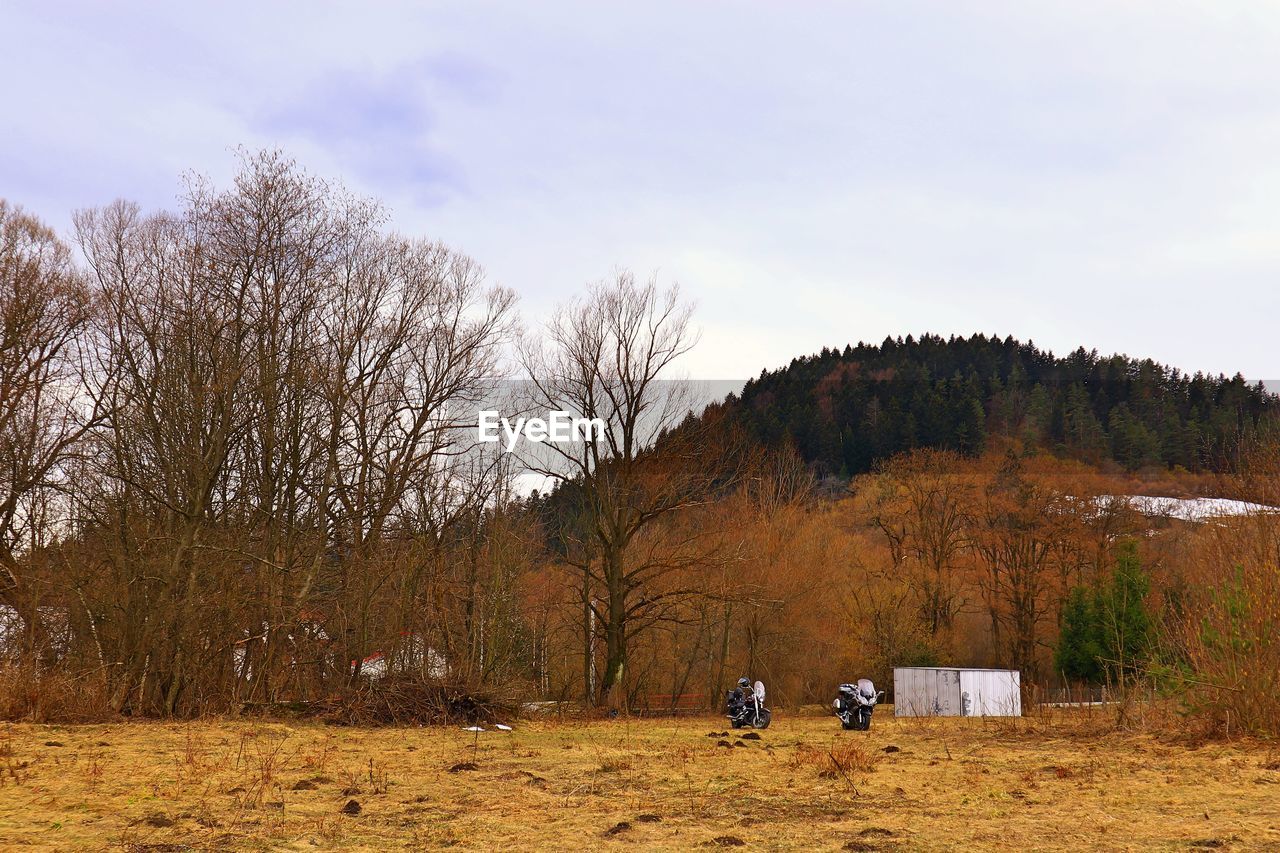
x: 805, y: 785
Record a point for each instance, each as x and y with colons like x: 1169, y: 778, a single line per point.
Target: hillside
x: 845, y: 410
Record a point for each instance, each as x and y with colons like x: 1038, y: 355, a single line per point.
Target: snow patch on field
x: 1190, y: 509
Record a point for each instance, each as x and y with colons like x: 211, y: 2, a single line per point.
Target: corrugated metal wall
x: 954, y: 692
x: 990, y: 693
x: 921, y: 692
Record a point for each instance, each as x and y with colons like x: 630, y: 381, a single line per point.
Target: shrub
x: 51, y: 696
x: 844, y: 758
x: 1233, y: 653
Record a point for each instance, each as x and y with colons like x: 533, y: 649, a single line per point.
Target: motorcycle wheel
x: 847, y: 725
x: 737, y: 724
x: 763, y: 720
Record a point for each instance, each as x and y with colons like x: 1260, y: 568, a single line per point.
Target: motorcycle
x: 854, y: 704
x: 745, y: 708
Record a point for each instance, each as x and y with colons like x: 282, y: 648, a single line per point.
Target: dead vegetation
x: 51, y: 696
x: 840, y: 758
x: 907, y: 784
x: 398, y: 701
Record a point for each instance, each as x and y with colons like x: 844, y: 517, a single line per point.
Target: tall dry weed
x: 51, y: 696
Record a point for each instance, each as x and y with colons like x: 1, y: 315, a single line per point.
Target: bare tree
x: 44, y: 311
x: 289, y: 387
x: 1016, y: 523
x: 413, y: 340
x: 918, y: 501
x: 176, y: 338
x: 280, y: 234
x: 605, y: 357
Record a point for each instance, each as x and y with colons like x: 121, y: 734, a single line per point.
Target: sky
x: 1097, y: 174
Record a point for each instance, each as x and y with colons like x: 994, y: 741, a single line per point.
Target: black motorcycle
x: 854, y: 704
x: 744, y: 706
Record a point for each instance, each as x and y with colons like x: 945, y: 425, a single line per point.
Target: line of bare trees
x: 989, y: 543
x: 234, y: 446
x: 240, y: 462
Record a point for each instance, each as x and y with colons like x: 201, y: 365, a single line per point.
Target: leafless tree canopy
x: 238, y: 460
x: 609, y: 357
x: 44, y: 411
x: 249, y: 414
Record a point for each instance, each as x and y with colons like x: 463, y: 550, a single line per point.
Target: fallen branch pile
x: 399, y: 703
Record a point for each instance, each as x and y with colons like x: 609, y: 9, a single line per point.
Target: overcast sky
x: 1104, y: 174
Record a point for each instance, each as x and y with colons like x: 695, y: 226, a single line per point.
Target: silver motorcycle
x: 854, y: 704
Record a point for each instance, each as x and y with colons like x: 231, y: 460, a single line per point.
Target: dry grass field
x: 804, y: 785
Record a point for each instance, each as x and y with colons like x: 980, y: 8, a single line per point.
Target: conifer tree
x: 1125, y: 624
x: 1079, y: 651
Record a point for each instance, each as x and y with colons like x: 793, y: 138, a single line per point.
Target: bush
x: 1233, y: 653
x: 51, y: 696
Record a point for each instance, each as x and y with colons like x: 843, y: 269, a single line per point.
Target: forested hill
x: 844, y: 410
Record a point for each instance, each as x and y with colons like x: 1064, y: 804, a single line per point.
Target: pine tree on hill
x: 846, y: 409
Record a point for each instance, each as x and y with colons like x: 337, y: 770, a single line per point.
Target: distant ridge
x: 844, y: 410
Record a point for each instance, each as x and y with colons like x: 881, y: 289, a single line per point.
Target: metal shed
x: 934, y: 691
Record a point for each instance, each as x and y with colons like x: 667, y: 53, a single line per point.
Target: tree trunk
x: 588, y: 642
x: 615, y: 634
